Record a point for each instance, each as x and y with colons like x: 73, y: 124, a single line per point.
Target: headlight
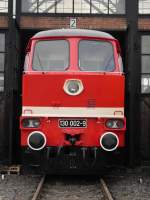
x: 115, y: 123
x: 73, y: 87
x: 30, y: 123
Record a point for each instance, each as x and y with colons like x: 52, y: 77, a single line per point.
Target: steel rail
x: 105, y: 190
x: 38, y: 189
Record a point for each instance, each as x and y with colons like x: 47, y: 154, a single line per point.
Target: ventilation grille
x: 91, y: 103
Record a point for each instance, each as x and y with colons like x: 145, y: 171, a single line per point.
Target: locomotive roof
x: 73, y: 32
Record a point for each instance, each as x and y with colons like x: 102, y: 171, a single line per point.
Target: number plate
x: 72, y: 123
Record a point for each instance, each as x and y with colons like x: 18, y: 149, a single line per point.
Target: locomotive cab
x: 72, y: 102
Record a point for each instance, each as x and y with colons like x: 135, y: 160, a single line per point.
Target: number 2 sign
x: 73, y: 23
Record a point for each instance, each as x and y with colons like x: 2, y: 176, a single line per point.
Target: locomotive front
x: 72, y: 101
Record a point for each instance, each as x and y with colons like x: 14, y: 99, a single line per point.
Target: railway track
x: 41, y: 191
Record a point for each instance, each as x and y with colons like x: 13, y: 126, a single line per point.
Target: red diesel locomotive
x: 72, y: 101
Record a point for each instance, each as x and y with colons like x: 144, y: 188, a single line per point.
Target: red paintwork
x: 89, y: 136
x: 46, y: 89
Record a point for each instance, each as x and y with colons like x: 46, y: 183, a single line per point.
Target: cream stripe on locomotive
x: 73, y: 112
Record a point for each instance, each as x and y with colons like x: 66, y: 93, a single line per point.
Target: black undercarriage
x: 71, y: 160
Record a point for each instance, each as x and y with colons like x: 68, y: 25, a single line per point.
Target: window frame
x: 99, y: 40
x: 33, y: 51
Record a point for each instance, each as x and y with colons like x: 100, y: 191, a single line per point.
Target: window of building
x: 144, y: 6
x: 3, y: 6
x: 30, y: 6
x: 46, y: 6
x: 116, y: 7
x: 74, y: 6
x: 64, y: 6
x: 100, y: 7
x: 2, y: 60
x: 81, y: 6
x: 145, y: 63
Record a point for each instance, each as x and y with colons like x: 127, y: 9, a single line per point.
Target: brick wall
x: 144, y: 23
x: 3, y: 22
x: 103, y: 23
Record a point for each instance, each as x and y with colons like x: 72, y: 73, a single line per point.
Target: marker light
x: 115, y: 123
x: 30, y: 122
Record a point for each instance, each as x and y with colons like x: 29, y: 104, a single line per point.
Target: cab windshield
x: 96, y: 56
x: 51, y: 56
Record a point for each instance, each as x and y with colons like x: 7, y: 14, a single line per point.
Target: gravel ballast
x: 129, y: 184
x: 124, y: 185
x: 18, y: 187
